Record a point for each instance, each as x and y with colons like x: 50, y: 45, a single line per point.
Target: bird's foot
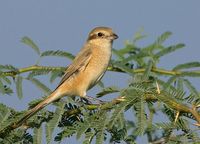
x: 89, y: 100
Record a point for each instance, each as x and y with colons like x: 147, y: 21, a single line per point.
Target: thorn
x: 121, y: 99
x: 197, y: 124
x: 25, y: 127
x: 158, y: 88
x: 177, y: 115
x: 198, y: 106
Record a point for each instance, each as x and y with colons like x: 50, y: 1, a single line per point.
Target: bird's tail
x: 52, y: 97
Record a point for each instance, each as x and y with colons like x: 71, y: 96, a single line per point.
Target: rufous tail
x: 52, y: 97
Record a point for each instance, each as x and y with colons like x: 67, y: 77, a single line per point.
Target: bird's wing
x: 79, y: 64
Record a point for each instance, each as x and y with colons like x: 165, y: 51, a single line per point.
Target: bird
x: 85, y: 71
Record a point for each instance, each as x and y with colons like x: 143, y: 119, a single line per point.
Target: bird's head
x: 102, y: 34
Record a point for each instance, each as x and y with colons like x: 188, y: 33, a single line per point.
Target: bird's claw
x: 89, y: 100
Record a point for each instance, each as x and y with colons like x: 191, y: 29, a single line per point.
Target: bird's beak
x: 114, y: 36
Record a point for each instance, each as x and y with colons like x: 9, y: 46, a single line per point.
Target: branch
x: 110, y: 68
x: 172, y: 103
x: 31, y: 68
x: 5, y: 131
x: 159, y: 71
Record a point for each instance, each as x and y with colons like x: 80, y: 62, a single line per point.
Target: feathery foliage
x: 51, y: 125
x: 37, y: 138
x: 26, y: 40
x: 58, y: 53
x: 157, y: 104
x: 19, y: 87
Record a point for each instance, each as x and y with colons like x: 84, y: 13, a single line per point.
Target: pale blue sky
x: 64, y: 25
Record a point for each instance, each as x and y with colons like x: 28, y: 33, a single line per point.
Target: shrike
x: 86, y: 70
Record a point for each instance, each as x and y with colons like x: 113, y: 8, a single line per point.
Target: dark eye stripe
x: 92, y: 37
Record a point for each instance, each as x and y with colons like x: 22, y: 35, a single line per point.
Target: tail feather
x: 38, y: 107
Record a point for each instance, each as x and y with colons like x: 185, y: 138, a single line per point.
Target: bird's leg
x: 85, y: 100
x: 88, y: 99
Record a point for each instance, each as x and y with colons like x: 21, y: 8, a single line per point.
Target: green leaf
x: 187, y: 65
x: 37, y: 137
x: 101, y: 127
x: 192, y: 89
x: 123, y: 68
x: 83, y: 126
x: 165, y: 84
x: 180, y: 84
x: 5, y: 88
x: 129, y: 48
x: 88, y: 137
x: 182, y: 124
x: 140, y: 113
x: 178, y: 94
x: 121, y: 121
x: 2, y: 89
x: 58, y: 53
x: 101, y: 84
x: 138, y: 35
x: 54, y: 75
x: 117, y: 53
x: 163, y: 37
x: 164, y: 125
x: 4, y: 115
x: 52, y: 124
x: 190, y: 74
x: 157, y: 45
x: 108, y: 90
x: 38, y: 72
x: 19, y: 87
x: 168, y: 50
x: 67, y: 132
x: 169, y: 82
x: 26, y: 40
x: 138, y: 58
x: 170, y: 100
x: 148, y: 70
x: 8, y: 67
x: 135, y: 90
x: 4, y: 78
x: 40, y: 85
x: 116, y: 114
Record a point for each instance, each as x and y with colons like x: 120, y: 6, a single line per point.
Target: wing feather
x: 79, y: 64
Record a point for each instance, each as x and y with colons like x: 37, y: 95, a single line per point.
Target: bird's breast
x: 97, y: 65
x: 92, y: 73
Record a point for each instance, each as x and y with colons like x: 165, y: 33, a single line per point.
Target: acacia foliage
x: 151, y: 93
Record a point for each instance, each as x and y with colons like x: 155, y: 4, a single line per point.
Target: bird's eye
x: 100, y: 34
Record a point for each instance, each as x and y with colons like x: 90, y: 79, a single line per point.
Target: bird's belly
x: 96, y: 69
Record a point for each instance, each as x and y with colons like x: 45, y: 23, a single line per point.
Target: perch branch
x: 110, y: 68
